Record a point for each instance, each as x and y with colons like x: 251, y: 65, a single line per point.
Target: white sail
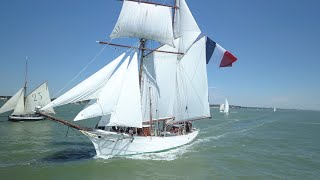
x: 39, y: 97
x: 19, y: 109
x: 88, y: 88
x: 185, y: 26
x: 108, y: 97
x: 159, y: 73
x: 221, y: 109
x: 12, y: 102
x: 192, y: 86
x: 145, y: 21
x: 128, y: 109
x: 226, y: 107
x: 104, y: 120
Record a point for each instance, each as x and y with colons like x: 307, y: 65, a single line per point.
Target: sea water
x: 246, y: 144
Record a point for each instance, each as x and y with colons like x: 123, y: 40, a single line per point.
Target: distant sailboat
x: 221, y: 108
x: 151, y: 107
x: 226, y: 108
x: 24, y: 107
x: 274, y: 109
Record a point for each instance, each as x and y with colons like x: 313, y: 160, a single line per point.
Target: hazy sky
x: 276, y: 42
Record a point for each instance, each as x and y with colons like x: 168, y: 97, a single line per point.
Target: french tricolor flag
x: 219, y: 54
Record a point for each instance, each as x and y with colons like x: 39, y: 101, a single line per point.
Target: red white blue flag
x: 218, y: 53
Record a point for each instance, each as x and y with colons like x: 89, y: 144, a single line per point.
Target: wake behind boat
x: 148, y: 107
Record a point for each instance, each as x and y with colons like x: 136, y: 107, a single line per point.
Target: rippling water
x: 246, y: 144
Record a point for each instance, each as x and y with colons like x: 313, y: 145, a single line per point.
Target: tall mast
x: 174, y: 13
x: 25, y: 80
x: 142, y: 50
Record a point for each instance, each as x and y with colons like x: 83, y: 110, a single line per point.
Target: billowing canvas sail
x: 128, y: 110
x: 108, y: 97
x: 12, y: 102
x: 192, y: 86
x: 104, y: 120
x: 19, y: 109
x: 88, y: 87
x: 39, y: 97
x: 159, y: 71
x: 185, y: 26
x: 146, y: 21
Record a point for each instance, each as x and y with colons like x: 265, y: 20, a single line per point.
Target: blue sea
x: 246, y: 144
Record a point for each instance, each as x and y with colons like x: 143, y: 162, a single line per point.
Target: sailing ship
x: 24, y: 106
x: 226, y: 107
x: 148, y: 106
x: 274, y: 109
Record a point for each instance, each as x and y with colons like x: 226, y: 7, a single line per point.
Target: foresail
x: 185, y: 27
x: 12, y: 102
x: 38, y: 98
x: 159, y: 71
x: 128, y: 110
x: 147, y: 21
x: 87, y: 88
x: 19, y: 109
x: 108, y: 96
x: 192, y: 86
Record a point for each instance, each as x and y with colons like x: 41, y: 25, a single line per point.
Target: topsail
x: 147, y: 21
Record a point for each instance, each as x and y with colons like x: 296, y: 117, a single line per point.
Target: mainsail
x: 192, y: 85
x: 159, y: 72
x: 89, y: 88
x: 38, y: 98
x: 226, y: 107
x: 147, y: 21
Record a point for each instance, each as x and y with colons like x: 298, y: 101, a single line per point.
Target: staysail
x: 147, y: 21
x: 12, y: 102
x: 87, y: 89
x: 39, y: 97
x: 108, y: 96
x: 19, y: 109
x: 128, y: 110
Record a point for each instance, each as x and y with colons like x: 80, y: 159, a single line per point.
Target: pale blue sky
x: 276, y: 42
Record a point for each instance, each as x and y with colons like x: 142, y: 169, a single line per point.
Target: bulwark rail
x: 69, y: 124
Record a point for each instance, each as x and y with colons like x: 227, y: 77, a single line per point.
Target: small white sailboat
x: 226, y: 108
x: 221, y: 109
x: 274, y: 109
x: 24, y: 107
x: 151, y: 108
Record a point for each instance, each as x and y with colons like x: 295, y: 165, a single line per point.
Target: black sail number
x: 37, y: 96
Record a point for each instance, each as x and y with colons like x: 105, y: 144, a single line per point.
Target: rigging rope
x: 83, y: 69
